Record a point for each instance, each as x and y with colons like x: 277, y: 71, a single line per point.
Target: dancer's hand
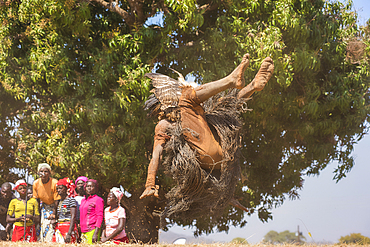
x: 149, y: 191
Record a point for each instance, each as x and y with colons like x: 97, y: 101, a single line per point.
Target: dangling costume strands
x: 197, y: 192
x: 199, y: 133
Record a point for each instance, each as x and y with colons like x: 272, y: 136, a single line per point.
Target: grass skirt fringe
x: 197, y: 192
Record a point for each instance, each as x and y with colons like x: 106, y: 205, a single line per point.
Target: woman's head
x: 21, y: 187
x: 114, y: 197
x: 91, y: 187
x: 80, y: 185
x: 44, y: 171
x: 29, y: 192
x: 62, y: 190
x: 66, y: 187
x: 22, y: 190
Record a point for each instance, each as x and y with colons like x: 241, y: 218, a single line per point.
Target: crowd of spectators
x: 61, y: 211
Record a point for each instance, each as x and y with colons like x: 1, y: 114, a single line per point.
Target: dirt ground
x: 10, y: 244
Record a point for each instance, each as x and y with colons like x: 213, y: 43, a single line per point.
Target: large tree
x: 73, y: 72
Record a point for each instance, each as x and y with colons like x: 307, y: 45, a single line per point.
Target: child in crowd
x: 91, y: 213
x: 18, y: 208
x: 66, y: 229
x: 29, y: 192
x: 115, y: 219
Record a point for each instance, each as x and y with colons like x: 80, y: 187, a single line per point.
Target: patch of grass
x: 11, y: 244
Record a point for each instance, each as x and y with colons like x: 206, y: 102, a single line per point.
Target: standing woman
x: 80, y: 191
x: 80, y: 188
x: 66, y: 228
x: 18, y: 207
x: 115, y: 219
x: 44, y: 189
x: 91, y: 213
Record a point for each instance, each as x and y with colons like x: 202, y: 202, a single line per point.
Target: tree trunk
x: 141, y: 225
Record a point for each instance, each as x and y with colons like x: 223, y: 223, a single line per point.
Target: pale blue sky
x: 327, y: 209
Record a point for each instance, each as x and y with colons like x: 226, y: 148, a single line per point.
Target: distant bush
x: 354, y: 238
x: 273, y: 237
x: 239, y: 241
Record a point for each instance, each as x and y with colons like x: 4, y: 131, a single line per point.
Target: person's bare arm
x: 11, y: 220
x: 95, y: 235
x: 8, y: 228
x: 150, y: 187
x: 119, y: 229
x: 54, y: 216
x: 72, y: 225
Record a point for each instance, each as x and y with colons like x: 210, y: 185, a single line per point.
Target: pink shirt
x: 91, y: 213
x: 111, y: 221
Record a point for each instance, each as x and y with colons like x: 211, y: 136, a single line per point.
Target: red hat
x: 70, y: 186
x: 19, y: 182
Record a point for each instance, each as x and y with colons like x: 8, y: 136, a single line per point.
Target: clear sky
x: 326, y: 209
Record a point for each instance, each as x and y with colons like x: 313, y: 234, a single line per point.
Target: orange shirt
x: 47, y: 193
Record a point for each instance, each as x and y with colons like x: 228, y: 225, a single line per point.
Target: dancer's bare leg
x: 263, y: 76
x: 234, y: 80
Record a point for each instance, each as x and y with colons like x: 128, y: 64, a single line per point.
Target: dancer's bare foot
x: 259, y: 82
x: 264, y: 74
x: 238, y: 73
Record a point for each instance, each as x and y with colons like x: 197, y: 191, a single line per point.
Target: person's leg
x: 234, y: 80
x: 263, y: 76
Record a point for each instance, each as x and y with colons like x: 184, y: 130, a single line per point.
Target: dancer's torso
x: 193, y: 117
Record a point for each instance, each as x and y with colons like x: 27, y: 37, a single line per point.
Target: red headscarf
x: 70, y: 186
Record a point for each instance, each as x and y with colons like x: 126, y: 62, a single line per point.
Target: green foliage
x: 239, y: 241
x: 273, y: 237
x: 8, y: 142
x: 72, y: 89
x: 354, y: 238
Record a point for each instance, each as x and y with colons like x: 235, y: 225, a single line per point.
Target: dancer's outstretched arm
x: 150, y: 187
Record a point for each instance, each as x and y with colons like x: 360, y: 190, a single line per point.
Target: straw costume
x: 198, y: 132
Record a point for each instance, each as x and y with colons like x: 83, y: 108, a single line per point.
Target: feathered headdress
x: 166, y: 93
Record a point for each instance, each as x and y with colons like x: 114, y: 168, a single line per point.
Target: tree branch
x: 209, y: 7
x: 137, y: 10
x: 130, y: 20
